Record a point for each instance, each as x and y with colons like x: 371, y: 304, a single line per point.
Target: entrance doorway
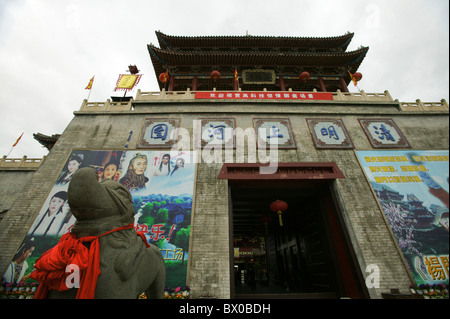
x: 307, y: 257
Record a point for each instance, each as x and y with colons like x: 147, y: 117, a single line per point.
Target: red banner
x: 265, y: 95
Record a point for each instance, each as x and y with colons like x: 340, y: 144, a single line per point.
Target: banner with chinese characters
x: 412, y: 187
x: 161, y: 184
x: 127, y: 82
x: 265, y: 95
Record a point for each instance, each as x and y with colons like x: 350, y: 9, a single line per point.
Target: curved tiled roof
x: 251, y: 58
x: 249, y: 41
x: 45, y: 140
x: 162, y: 57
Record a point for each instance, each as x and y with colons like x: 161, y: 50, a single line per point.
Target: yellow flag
x: 127, y: 81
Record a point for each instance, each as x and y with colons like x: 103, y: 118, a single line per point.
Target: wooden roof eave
x: 154, y: 55
x: 349, y: 59
x: 168, y: 41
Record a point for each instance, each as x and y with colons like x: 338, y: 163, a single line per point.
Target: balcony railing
x: 190, y: 95
x: 23, y: 163
x: 338, y: 96
x: 424, y: 106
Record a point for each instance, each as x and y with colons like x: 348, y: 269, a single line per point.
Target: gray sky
x: 49, y: 49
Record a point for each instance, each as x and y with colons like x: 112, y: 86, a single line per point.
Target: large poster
x: 412, y: 188
x: 161, y: 184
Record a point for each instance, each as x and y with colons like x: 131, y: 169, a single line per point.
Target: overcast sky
x: 49, y: 49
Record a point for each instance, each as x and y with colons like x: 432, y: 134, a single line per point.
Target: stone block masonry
x: 209, y: 264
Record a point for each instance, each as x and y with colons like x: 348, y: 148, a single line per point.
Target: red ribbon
x: 50, y: 268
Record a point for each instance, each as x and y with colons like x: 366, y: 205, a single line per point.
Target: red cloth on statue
x: 50, y: 268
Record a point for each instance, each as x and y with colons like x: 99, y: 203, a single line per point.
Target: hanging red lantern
x: 215, y: 75
x: 279, y: 207
x: 304, y: 76
x: 164, y: 77
x: 357, y: 76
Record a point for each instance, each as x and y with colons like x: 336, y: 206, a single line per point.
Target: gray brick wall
x: 209, y: 268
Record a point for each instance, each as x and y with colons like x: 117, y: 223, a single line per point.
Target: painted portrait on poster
x: 161, y: 183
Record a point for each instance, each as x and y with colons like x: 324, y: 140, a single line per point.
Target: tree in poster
x: 182, y: 239
x: 402, y: 227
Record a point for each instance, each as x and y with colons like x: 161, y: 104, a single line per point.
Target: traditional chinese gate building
x: 271, y: 118
x: 270, y: 63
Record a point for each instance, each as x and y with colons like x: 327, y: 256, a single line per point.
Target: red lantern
x: 164, y: 77
x: 357, y: 76
x: 304, y: 76
x: 215, y: 76
x: 279, y: 207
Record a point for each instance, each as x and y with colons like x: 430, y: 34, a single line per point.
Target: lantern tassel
x: 279, y: 217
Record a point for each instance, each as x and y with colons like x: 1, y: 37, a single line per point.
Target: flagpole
x: 89, y: 94
x: 9, y: 152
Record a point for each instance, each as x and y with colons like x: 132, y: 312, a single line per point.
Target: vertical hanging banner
x: 161, y: 183
x: 126, y: 82
x: 412, y: 188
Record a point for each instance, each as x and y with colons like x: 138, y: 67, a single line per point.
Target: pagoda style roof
x: 186, y: 57
x: 171, y: 42
x: 45, y: 140
x: 162, y: 58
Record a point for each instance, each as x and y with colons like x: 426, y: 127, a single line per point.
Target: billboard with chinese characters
x: 264, y: 95
x: 162, y: 186
x: 412, y: 188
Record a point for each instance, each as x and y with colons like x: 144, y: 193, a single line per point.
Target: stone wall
x: 11, y: 184
x: 209, y: 264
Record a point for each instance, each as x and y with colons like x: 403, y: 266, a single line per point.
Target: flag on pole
x: 89, y: 86
x: 18, y: 140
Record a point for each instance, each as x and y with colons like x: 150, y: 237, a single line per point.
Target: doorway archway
x: 310, y: 256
